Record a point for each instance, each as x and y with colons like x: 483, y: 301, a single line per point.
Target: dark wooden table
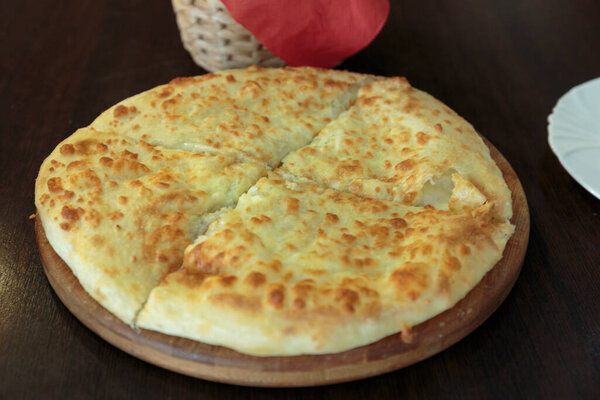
x: 500, y: 64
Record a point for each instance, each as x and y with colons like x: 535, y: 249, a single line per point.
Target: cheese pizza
x: 276, y: 211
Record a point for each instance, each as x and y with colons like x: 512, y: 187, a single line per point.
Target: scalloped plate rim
x: 557, y: 134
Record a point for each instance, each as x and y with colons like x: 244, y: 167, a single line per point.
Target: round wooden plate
x: 225, y: 365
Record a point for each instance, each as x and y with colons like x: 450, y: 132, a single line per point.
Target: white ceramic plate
x: 574, y: 134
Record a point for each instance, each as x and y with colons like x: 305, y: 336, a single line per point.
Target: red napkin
x: 318, y: 33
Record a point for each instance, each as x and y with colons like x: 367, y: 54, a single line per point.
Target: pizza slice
x: 120, y: 212
x: 259, y: 114
x: 297, y: 268
x: 398, y: 143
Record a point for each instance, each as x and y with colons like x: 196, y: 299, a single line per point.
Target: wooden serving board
x: 221, y: 364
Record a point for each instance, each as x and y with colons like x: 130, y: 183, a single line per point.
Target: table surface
x: 500, y: 64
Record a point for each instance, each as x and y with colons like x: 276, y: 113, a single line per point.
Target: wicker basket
x: 215, y: 40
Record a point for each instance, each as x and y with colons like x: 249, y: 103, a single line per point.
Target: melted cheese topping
x: 296, y: 268
x: 259, y: 114
x: 398, y: 143
x: 387, y: 209
x: 120, y: 213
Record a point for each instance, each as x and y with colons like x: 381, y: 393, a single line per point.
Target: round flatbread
x: 276, y: 211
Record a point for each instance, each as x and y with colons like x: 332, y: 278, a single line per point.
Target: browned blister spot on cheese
x: 349, y: 239
x: 331, y: 218
x: 168, y: 103
x: 298, y: 304
x: 101, y: 148
x: 67, y: 149
x: 115, y: 215
x: 182, y: 80
x: 255, y: 279
x: 44, y: 198
x: 333, y: 84
x: 134, y: 167
x: 236, y: 301
x: 93, y: 217
x: 75, y: 165
x: 349, y: 168
x: 54, y: 185
x: 291, y: 204
x: 122, y: 200
x: 464, y: 249
x: 405, y: 165
x: 307, y: 150
x: 442, y: 284
x: 189, y: 277
x: 196, y: 259
x: 166, y: 239
x: 71, y: 214
x: 230, y: 78
x: 438, y: 128
x: 348, y: 299
x: 303, y: 289
x: 367, y: 88
x: 227, y: 281
x: 121, y: 111
x: 363, y: 262
x: 356, y: 187
x: 98, y: 240
x: 65, y: 226
x: 315, y: 272
x: 426, y: 249
x: 260, y: 219
x: 368, y: 292
x: 398, y: 223
x: 368, y: 101
x: 410, y: 279
x: 275, y: 265
x: 86, y: 178
x: 423, y: 138
x: 321, y: 234
x: 67, y: 195
x: 251, y: 89
x: 409, y: 197
x: 106, y: 161
x: 276, y: 296
x: 452, y: 263
x: 166, y: 92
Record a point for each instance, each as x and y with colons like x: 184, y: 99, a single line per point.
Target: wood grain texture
x: 502, y: 65
x: 221, y: 364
